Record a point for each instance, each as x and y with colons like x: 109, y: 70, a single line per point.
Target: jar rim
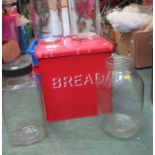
x: 118, y: 60
x: 19, y: 67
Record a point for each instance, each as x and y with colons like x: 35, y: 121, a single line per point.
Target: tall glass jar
x: 84, y: 18
x: 22, y: 103
x: 120, y: 98
x: 46, y: 17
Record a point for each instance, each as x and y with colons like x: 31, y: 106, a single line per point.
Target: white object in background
x: 128, y: 21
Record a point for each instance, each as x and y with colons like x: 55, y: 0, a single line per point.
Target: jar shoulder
x: 20, y: 83
x: 130, y: 76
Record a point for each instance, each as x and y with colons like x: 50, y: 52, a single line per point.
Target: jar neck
x: 17, y: 81
x: 120, y: 63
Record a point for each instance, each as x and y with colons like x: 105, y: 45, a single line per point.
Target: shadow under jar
x: 120, y: 98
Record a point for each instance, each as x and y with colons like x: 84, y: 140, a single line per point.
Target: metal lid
x: 68, y: 46
x: 19, y: 67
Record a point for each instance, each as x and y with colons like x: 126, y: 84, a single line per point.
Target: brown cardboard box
x: 138, y: 44
x: 123, y: 43
x: 108, y: 32
x: 10, y: 51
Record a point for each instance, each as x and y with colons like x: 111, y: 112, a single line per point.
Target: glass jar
x: 22, y: 103
x: 84, y: 18
x: 120, y: 98
x: 45, y: 16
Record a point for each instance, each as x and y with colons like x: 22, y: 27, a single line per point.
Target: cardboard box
x: 10, y: 51
x: 108, y: 32
x: 137, y: 44
x: 123, y: 43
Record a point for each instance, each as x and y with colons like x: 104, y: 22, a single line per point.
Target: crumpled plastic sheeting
x: 128, y: 21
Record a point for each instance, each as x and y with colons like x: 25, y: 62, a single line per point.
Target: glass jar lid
x: 19, y: 67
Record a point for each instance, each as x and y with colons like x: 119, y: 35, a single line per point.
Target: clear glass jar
x: 120, y: 98
x: 22, y: 103
x: 84, y: 18
x: 46, y: 17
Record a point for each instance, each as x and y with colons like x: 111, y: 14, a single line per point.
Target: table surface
x: 85, y: 137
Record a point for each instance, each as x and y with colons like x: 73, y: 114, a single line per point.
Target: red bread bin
x: 68, y: 69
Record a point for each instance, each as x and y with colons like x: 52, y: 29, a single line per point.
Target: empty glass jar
x: 46, y: 17
x: 22, y: 103
x: 120, y: 98
x: 84, y: 18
